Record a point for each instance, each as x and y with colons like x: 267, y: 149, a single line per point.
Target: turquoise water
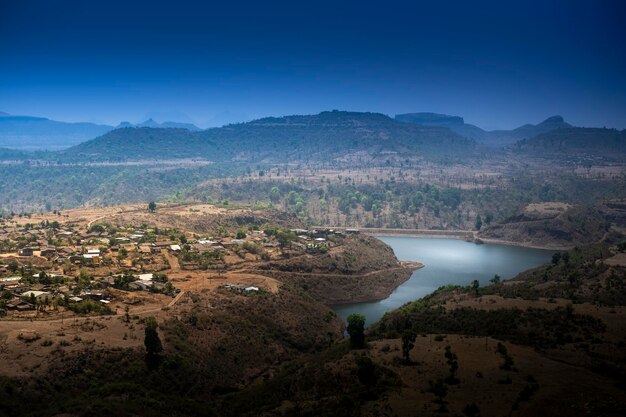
x: 447, y: 261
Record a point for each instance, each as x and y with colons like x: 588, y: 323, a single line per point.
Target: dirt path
x: 172, y: 260
x: 175, y: 300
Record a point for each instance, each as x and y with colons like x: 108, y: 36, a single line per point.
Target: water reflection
x: 448, y: 261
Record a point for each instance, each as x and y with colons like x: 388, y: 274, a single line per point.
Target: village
x: 62, y: 268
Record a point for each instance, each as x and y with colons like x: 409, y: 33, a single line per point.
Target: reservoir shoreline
x: 441, y: 261
x: 466, y: 235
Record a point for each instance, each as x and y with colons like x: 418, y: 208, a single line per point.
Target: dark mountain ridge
x: 348, y: 136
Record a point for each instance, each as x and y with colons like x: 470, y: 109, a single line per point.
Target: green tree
x: 152, y: 342
x: 475, y: 286
x: 508, y: 363
x: 408, y: 342
x: 453, y: 363
x: 285, y: 238
x: 356, y: 330
x: 440, y: 390
x: 152, y: 206
x: 97, y: 228
x: 275, y: 195
x: 495, y: 280
x: 479, y: 222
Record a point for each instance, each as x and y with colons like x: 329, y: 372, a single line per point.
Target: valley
x: 484, y: 268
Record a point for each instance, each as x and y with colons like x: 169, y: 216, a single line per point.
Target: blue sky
x: 498, y: 64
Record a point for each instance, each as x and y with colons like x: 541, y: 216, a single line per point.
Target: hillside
x: 559, y: 226
x: 563, y: 318
x: 341, y: 136
x: 576, y: 142
x: 142, y: 143
x: 365, y: 269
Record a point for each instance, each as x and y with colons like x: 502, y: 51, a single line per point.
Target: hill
x: 142, y: 143
x: 530, y: 130
x: 33, y: 133
x: 340, y: 136
x: 576, y: 142
x: 555, y: 225
x: 454, y: 123
x: 497, y: 138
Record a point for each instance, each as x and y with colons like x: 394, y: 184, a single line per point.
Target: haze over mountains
x: 37, y: 133
x: 351, y: 137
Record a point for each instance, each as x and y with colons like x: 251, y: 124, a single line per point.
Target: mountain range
x: 39, y: 133
x: 497, y: 138
x: 335, y: 135
x: 341, y: 136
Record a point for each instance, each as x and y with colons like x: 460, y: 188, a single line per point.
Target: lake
x: 447, y: 261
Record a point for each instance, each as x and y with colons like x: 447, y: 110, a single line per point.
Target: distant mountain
x: 497, y: 138
x: 165, y: 125
x: 454, y: 123
x: 35, y: 133
x: 337, y: 135
x: 576, y: 142
x: 528, y: 131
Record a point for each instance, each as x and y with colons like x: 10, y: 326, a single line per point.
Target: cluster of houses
x: 64, y: 250
x: 19, y: 294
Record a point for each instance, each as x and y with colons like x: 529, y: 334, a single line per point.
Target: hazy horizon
x: 161, y: 117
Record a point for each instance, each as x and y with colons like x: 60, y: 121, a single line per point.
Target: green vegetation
x: 453, y: 363
x: 356, y: 330
x: 539, y: 328
x: 577, y: 275
x: 89, y: 307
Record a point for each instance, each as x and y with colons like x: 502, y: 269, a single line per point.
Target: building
x: 26, y: 252
x: 39, y: 295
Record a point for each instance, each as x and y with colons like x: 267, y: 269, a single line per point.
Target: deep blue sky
x: 497, y: 63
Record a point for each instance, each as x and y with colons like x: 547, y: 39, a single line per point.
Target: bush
x: 88, y: 307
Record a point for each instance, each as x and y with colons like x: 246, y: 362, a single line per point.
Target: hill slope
x: 576, y: 141
x: 141, y: 143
